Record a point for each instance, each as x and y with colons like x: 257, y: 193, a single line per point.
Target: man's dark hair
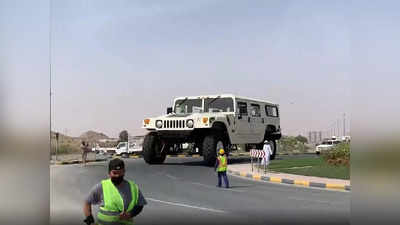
x: 116, y: 164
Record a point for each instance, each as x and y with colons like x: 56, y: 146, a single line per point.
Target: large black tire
x: 152, y: 149
x: 160, y: 159
x: 209, y: 148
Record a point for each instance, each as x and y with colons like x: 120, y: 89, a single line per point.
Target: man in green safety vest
x: 120, y: 200
x: 221, y: 167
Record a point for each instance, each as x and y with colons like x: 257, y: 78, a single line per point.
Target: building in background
x: 315, y: 137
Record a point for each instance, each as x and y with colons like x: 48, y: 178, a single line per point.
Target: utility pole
x: 338, y: 130
x: 333, y: 130
x: 50, y: 70
x: 56, y: 144
x: 344, y: 124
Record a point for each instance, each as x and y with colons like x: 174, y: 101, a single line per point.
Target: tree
x: 288, y: 143
x: 301, y: 139
x: 123, y: 136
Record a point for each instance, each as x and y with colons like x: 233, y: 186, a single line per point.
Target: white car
x: 103, y: 150
x: 212, y: 122
x: 326, y: 145
x: 124, y: 150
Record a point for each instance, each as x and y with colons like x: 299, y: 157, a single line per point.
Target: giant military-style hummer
x: 212, y: 122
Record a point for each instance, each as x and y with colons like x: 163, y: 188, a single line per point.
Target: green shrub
x: 290, y: 144
x: 338, y: 155
x: 65, y: 149
x: 287, y: 144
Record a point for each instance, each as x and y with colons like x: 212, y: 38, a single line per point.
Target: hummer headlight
x: 159, y: 124
x: 189, y: 123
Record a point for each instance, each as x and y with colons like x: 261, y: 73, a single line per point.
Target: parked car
x: 126, y: 148
x: 326, y: 145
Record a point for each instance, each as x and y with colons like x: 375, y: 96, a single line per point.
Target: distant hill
x: 68, y: 144
x: 93, y: 136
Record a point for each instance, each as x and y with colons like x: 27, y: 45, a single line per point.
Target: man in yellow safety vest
x: 221, y: 166
x: 120, y: 199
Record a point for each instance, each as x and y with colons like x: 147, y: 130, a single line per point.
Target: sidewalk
x: 276, y: 177
x: 76, y: 158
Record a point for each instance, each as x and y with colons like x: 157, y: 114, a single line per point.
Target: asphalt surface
x: 183, y: 191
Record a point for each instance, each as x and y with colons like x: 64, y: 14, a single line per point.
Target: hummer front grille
x: 174, y: 124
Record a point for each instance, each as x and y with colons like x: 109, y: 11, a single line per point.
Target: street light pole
x: 344, y: 124
x: 50, y: 18
x: 338, y: 131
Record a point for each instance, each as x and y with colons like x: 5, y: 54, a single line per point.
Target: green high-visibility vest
x: 222, y: 164
x: 114, y: 205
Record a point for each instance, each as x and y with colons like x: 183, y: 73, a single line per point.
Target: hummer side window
x: 255, y: 110
x: 242, y: 106
x: 218, y: 105
x: 271, y: 111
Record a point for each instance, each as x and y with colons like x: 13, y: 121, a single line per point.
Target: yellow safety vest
x: 114, y: 205
x: 222, y: 164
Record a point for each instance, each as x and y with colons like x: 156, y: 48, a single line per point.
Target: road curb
x: 140, y: 156
x: 291, y: 181
x: 176, y: 156
x: 132, y: 157
x: 77, y: 162
x: 168, y: 156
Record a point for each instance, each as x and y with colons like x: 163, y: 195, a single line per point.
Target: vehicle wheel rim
x: 220, y: 145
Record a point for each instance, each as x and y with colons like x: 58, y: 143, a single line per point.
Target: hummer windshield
x: 185, y: 106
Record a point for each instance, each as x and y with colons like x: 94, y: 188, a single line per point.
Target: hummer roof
x: 224, y: 96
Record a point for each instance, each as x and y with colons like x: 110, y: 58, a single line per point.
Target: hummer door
x: 256, y: 123
x: 242, y: 126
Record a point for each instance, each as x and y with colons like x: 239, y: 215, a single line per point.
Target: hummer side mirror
x: 169, y: 110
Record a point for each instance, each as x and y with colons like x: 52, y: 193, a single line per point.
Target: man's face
x: 117, y: 176
x: 117, y: 173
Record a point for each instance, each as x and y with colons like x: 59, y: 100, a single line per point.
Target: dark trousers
x: 220, y: 175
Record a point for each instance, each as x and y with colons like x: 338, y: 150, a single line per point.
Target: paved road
x: 182, y: 191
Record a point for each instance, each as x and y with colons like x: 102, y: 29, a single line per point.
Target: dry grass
x: 70, y: 145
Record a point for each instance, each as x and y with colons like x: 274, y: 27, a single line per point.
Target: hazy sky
x: 118, y: 62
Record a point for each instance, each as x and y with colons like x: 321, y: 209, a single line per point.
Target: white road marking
x: 310, y: 200
x: 215, y: 188
x: 204, y: 185
x: 172, y: 177
x: 187, y: 206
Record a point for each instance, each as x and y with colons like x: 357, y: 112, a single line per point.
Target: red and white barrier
x: 257, y: 153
